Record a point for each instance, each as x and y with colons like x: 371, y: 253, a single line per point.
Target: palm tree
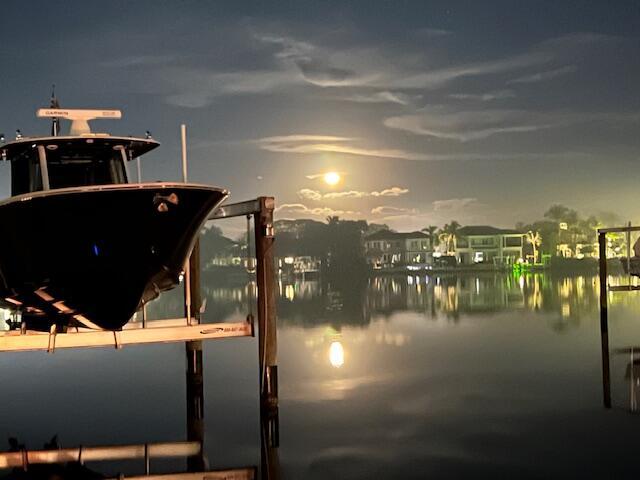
x: 431, y: 232
x: 449, y: 236
x: 535, y: 240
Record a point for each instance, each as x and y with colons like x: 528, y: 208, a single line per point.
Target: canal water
x: 476, y: 375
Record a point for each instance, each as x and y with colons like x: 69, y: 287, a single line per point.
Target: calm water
x: 395, y: 377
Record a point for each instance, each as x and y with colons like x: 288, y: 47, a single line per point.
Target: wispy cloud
x: 546, y: 75
x: 198, y: 88
x: 438, y: 77
x: 388, y: 211
x: 315, y: 195
x: 382, y: 97
x: 298, y: 210
x: 314, y: 64
x: 465, y: 126
x: 454, y: 204
x: 329, y: 144
x: 484, y: 97
x: 432, y: 32
x: 308, y: 144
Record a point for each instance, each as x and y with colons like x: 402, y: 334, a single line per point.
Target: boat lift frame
x: 605, y: 288
x: 189, y: 328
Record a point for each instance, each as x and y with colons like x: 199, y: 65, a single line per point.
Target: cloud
x: 307, y: 144
x: 546, y: 75
x: 349, y: 67
x: 198, y: 88
x: 309, y: 194
x: 465, y: 126
x: 329, y: 144
x: 314, y: 64
x: 298, y: 143
x: 484, y: 97
x: 438, y: 77
x: 316, y: 196
x: 454, y: 204
x: 432, y: 32
x: 382, y: 97
x: 389, y: 211
x: 299, y: 209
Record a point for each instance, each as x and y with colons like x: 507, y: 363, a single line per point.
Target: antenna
x: 55, y: 124
x: 79, y: 118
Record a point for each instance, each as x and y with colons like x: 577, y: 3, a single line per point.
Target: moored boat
x: 82, y: 245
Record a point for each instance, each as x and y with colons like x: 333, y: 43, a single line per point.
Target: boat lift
x: 192, y: 332
x: 605, y: 288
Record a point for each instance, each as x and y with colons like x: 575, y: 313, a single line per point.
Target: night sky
x: 483, y: 112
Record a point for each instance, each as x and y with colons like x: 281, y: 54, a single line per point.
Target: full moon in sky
x: 331, y: 178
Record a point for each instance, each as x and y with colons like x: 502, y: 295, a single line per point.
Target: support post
x: 604, y: 320
x: 265, y: 280
x: 44, y: 170
x: 195, y: 403
x: 267, y: 338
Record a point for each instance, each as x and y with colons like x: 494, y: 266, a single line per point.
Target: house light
x: 563, y: 226
x: 288, y: 260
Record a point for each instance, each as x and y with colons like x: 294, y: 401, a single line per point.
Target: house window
x: 513, y: 241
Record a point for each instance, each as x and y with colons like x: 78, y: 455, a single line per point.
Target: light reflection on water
x: 388, y: 377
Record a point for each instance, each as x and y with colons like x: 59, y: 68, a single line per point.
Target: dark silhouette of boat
x: 81, y: 245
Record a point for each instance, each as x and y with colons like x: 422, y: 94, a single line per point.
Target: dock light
x: 331, y: 178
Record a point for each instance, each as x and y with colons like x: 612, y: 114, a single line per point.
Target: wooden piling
x: 265, y: 280
x: 195, y: 403
x: 194, y: 374
x: 604, y: 320
x: 267, y: 337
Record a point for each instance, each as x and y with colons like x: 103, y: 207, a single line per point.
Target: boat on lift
x: 82, y: 244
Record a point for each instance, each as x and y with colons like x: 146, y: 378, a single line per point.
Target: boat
x: 84, y: 245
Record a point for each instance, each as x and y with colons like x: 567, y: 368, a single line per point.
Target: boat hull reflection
x: 93, y: 255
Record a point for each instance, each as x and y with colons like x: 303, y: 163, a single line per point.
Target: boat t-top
x: 83, y: 245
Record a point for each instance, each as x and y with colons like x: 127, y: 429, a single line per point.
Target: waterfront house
x: 485, y: 244
x: 387, y: 249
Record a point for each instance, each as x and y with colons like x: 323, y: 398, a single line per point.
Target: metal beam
x: 13, y: 341
x: 94, y: 454
x: 249, y: 207
x: 619, y: 229
x: 623, y: 288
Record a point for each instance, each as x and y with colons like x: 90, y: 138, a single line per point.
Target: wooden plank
x: 235, y: 474
x: 94, y: 454
x: 13, y: 341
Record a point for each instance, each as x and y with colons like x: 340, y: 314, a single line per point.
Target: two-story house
x: 485, y: 244
x: 385, y: 249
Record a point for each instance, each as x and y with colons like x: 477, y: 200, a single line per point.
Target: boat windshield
x: 88, y: 171
x: 68, y: 168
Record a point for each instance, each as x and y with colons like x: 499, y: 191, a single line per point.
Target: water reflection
x: 336, y: 354
x: 562, y: 300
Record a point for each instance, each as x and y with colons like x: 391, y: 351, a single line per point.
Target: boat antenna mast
x: 55, y: 123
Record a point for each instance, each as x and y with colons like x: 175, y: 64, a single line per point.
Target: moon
x: 331, y: 178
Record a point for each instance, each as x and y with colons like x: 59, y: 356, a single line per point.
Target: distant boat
x: 81, y: 244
